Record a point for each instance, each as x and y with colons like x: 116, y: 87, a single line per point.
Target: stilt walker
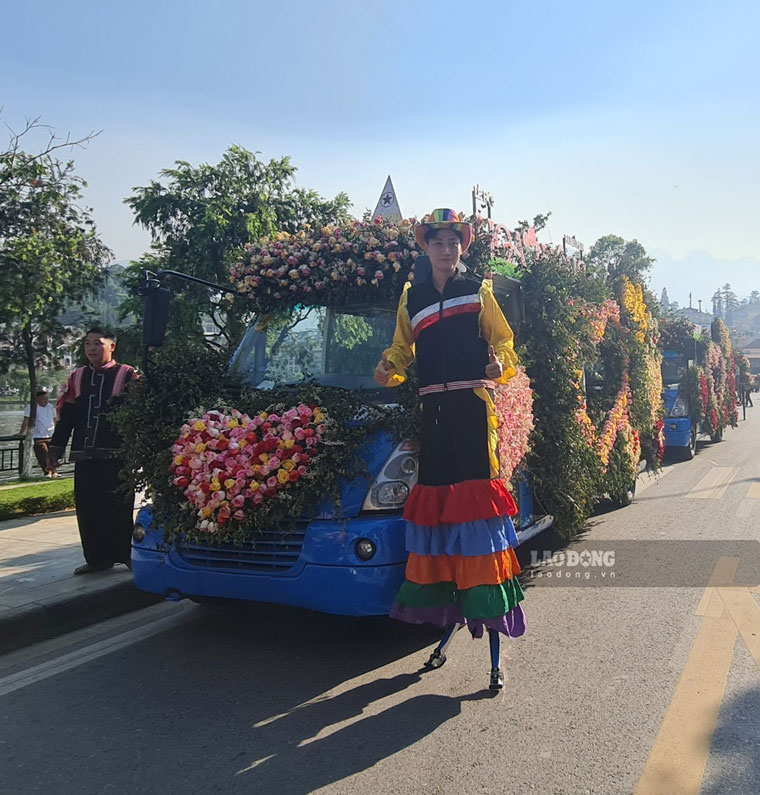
x: 462, y: 569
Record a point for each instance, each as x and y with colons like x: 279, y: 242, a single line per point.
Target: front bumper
x: 327, y: 577
x: 677, y: 431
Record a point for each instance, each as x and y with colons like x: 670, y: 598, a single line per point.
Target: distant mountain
x: 700, y: 273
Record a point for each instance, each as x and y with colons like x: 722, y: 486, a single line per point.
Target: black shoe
x: 497, y: 679
x: 89, y: 568
x: 436, y: 660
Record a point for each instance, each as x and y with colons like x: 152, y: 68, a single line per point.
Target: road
x: 647, y: 681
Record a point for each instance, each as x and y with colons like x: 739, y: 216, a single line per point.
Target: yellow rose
x: 200, y: 447
x: 206, y: 512
x: 242, y: 443
x: 199, y: 425
x: 288, y: 465
x: 233, y: 424
x: 178, y: 460
x: 229, y: 483
x: 283, y: 476
x: 263, y: 415
x: 254, y: 485
x: 264, y: 457
x: 215, y: 485
x: 256, y: 469
x: 289, y: 443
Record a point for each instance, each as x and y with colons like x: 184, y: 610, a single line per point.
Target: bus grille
x: 270, y: 552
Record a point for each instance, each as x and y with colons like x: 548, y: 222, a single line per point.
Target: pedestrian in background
x: 104, y: 509
x: 44, y: 425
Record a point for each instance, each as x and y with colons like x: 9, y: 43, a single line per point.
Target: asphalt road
x: 638, y: 673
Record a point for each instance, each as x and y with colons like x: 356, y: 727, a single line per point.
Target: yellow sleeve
x: 401, y: 352
x: 496, y: 331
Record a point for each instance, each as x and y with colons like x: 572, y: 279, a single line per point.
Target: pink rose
x: 302, y: 470
x: 272, y: 482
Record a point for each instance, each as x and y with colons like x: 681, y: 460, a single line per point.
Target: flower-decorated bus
x: 289, y: 485
x: 281, y: 475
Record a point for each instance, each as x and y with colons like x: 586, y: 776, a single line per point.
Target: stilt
x: 496, y: 681
x: 438, y: 657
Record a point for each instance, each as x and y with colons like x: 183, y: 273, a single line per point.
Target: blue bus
x: 352, y: 564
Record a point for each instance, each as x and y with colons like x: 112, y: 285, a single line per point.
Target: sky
x: 636, y: 119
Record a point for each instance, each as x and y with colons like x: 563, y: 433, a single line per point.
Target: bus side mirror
x: 155, y: 317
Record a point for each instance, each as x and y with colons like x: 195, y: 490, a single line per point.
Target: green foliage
x: 565, y: 470
x: 199, y: 217
x: 612, y: 257
x: 46, y: 497
x: 678, y: 334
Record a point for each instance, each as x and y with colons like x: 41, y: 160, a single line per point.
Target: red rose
x: 205, y: 488
x: 294, y: 476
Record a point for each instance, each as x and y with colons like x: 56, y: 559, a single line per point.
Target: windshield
x: 673, y: 367
x: 332, y: 347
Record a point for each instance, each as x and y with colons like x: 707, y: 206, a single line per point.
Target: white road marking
x: 66, y: 662
x: 714, y: 484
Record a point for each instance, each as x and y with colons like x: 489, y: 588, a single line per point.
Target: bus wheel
x: 687, y: 453
x: 624, y: 498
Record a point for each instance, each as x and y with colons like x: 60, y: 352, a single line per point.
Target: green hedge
x: 55, y: 495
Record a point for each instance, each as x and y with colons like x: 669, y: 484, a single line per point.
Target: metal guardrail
x: 12, y: 459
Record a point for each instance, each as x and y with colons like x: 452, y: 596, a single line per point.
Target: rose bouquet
x: 228, y: 464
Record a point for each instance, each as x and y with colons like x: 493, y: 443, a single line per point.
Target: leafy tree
x: 730, y: 302
x: 615, y: 257
x: 50, y: 253
x: 664, y: 300
x: 754, y: 298
x: 717, y: 302
x: 199, y: 217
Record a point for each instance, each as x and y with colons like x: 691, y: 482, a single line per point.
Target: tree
x: 50, y: 253
x: 730, y: 302
x: 754, y: 298
x: 664, y: 302
x: 615, y: 257
x: 200, y: 217
x: 717, y: 302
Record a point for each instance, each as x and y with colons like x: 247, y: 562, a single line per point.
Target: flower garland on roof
x: 356, y: 262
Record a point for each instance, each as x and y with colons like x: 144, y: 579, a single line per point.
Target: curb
x: 57, y: 615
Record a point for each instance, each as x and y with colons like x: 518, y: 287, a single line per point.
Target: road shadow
x: 734, y: 747
x: 230, y: 701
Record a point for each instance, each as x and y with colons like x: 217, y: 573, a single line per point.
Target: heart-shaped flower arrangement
x: 228, y: 464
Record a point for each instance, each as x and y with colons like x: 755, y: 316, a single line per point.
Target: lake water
x: 10, y: 421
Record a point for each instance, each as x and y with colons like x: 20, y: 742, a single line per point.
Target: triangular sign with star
x: 387, y: 205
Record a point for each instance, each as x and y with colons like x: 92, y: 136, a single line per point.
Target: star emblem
x: 387, y: 199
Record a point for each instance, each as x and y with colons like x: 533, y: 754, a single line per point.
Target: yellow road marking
x: 714, y: 484
x: 678, y: 758
x: 753, y: 492
x: 677, y: 761
x: 745, y: 612
x: 723, y: 574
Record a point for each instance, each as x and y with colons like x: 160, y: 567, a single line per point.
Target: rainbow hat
x: 444, y: 219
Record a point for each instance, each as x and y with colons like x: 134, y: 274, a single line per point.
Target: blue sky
x: 639, y: 119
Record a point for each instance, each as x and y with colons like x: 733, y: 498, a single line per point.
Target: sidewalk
x: 39, y: 596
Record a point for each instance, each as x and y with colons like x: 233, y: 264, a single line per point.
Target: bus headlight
x: 680, y: 408
x: 391, y: 487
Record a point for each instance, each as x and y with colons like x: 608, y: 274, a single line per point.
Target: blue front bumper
x: 327, y: 575
x: 677, y: 431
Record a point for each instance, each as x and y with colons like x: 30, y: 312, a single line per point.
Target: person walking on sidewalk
x: 104, y: 509
x: 44, y: 425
